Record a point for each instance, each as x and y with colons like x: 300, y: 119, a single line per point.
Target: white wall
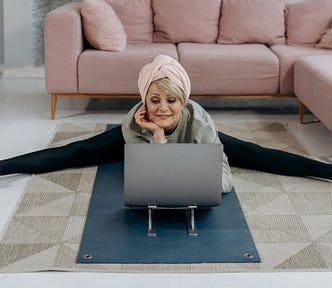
x: 17, y: 33
x: 19, y: 47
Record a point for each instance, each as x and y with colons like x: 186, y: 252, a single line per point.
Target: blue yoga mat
x: 114, y: 233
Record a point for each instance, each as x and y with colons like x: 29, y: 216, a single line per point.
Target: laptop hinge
x: 190, y: 219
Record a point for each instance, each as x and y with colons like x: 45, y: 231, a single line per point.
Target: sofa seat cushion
x: 230, y: 69
x: 287, y: 56
x: 103, y: 72
x: 313, y: 85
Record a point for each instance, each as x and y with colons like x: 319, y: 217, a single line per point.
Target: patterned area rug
x: 290, y: 218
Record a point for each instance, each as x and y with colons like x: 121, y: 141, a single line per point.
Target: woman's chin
x: 165, y: 125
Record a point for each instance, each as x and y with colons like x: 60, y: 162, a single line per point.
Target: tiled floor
x: 25, y: 126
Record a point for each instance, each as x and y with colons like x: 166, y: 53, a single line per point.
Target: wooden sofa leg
x: 301, y: 111
x: 53, y: 105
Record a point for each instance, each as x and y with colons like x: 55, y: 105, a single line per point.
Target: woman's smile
x: 163, y: 117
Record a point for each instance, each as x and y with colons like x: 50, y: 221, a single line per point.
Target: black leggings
x: 108, y: 147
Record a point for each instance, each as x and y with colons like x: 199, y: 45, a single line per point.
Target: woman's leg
x: 106, y: 147
x: 248, y: 155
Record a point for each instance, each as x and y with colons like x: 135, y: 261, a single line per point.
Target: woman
x: 166, y: 115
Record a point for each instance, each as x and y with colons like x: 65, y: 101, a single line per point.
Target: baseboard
x: 24, y: 72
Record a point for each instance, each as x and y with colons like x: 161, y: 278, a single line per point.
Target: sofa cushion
x: 230, y: 69
x: 136, y: 17
x: 287, y: 56
x: 326, y: 41
x: 186, y: 20
x: 101, y: 72
x: 307, y: 20
x: 313, y: 86
x: 255, y: 21
x: 102, y: 28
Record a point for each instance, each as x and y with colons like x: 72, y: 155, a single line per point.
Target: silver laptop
x: 173, y: 175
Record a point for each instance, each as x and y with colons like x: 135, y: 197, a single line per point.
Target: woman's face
x: 163, y: 109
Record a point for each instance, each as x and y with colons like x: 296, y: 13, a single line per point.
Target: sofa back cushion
x: 307, y: 20
x: 186, y: 20
x: 136, y: 17
x: 254, y: 21
x: 326, y: 41
x: 101, y: 27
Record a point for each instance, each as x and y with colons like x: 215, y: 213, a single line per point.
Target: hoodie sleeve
x: 205, y: 131
x: 132, y: 132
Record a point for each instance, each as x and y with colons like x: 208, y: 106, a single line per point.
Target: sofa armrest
x: 63, y: 38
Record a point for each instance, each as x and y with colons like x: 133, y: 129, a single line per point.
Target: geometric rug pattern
x: 290, y: 218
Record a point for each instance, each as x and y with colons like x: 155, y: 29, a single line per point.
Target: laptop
x: 173, y: 175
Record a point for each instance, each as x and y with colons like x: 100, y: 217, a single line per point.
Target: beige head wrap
x: 163, y: 66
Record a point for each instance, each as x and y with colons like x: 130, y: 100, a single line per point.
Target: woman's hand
x: 141, y: 118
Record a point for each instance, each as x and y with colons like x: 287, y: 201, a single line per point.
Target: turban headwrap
x: 163, y: 66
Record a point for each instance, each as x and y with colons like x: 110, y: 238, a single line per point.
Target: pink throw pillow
x: 136, y: 17
x: 307, y: 20
x: 102, y: 28
x: 326, y: 41
x: 254, y: 21
x: 186, y: 20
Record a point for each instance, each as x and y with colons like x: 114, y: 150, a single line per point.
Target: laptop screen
x: 173, y: 174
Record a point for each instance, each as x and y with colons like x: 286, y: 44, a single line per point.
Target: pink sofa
x: 224, y: 57
x: 313, y: 86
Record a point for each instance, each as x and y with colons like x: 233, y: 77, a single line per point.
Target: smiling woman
x: 162, y: 109
x: 165, y: 114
